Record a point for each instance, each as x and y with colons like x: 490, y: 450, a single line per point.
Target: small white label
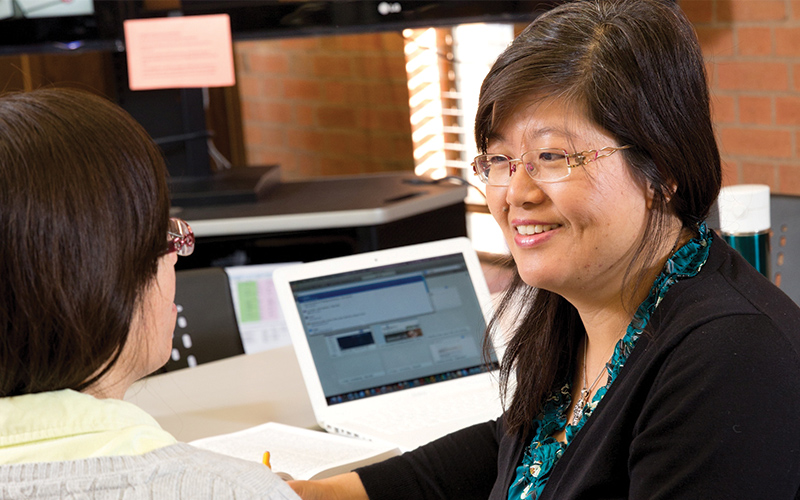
x: 386, y: 8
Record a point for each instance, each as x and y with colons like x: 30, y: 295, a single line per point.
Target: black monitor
x: 256, y: 19
x: 53, y: 26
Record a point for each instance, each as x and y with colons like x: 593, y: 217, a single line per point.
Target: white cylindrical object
x: 744, y: 209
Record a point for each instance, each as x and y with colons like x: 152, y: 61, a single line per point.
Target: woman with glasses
x: 646, y: 358
x: 87, y: 282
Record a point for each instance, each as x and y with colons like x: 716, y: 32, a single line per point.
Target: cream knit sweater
x: 178, y: 471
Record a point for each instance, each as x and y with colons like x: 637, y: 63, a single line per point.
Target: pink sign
x: 179, y: 52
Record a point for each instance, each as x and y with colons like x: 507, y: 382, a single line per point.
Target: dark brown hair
x: 635, y: 68
x: 83, y: 219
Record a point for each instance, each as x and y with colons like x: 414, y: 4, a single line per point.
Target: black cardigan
x: 706, y: 407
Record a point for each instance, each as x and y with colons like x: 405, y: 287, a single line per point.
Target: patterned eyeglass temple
x: 180, y: 237
x: 585, y: 157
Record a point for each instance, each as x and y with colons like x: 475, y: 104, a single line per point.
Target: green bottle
x: 744, y: 221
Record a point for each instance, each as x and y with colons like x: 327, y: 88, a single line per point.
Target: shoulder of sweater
x: 178, y: 467
x: 727, y: 285
x: 215, y: 465
x: 728, y: 303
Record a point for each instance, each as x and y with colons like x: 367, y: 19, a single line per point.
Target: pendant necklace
x: 583, y: 399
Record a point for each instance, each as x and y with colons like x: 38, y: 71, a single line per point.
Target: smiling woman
x: 646, y: 358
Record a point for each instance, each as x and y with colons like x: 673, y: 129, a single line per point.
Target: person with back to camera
x: 648, y: 359
x: 87, y: 255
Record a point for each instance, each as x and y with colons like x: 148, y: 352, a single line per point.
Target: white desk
x: 227, y: 395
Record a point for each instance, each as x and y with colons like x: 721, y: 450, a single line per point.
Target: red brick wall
x: 339, y: 104
x: 752, y: 50
x: 326, y: 105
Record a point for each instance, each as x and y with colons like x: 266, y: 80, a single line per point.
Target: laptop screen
x: 394, y: 327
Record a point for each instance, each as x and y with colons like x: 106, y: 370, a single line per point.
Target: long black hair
x: 83, y: 220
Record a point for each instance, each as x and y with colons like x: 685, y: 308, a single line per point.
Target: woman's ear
x: 667, y: 193
x: 673, y: 188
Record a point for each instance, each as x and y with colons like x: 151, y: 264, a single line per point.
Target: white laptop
x: 390, y: 342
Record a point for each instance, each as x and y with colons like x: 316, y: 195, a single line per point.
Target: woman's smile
x: 529, y: 234
x: 528, y: 229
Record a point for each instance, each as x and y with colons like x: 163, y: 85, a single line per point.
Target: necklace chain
x: 583, y: 399
x: 580, y: 405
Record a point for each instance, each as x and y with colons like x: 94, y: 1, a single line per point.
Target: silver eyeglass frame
x: 580, y: 159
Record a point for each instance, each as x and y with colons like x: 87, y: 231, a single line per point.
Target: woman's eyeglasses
x: 543, y: 165
x: 180, y: 237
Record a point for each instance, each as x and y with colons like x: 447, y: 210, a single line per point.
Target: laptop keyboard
x: 407, y: 417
